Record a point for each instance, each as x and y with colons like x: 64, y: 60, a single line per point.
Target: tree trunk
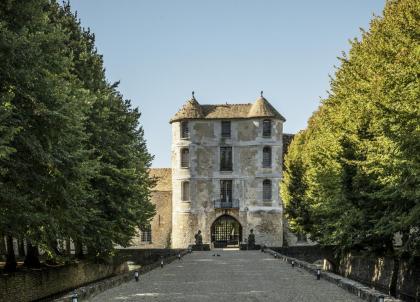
x: 32, y: 256
x: 78, y: 246
x: 3, y: 250
x: 394, y: 277
x: 21, y: 248
x: 10, y: 258
x: 68, y: 247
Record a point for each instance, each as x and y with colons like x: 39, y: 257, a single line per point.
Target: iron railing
x: 226, y: 203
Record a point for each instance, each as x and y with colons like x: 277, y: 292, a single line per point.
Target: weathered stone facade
x: 204, y: 175
x: 161, y: 224
x: 225, y: 204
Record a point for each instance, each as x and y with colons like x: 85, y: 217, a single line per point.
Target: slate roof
x: 260, y: 108
x: 164, y: 178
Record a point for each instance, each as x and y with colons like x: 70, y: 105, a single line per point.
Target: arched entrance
x: 226, y: 231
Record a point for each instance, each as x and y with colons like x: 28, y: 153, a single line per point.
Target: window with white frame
x: 146, y: 233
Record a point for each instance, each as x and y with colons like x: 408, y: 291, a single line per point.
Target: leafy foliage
x: 352, y: 177
x: 73, y: 160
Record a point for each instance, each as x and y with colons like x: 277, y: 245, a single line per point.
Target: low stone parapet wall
x: 50, y: 282
x: 30, y: 285
x: 95, y: 288
x: 144, y: 256
x: 356, y: 288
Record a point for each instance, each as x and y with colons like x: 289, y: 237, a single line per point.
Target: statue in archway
x: 251, y: 240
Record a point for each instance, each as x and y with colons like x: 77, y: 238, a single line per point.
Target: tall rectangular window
x: 185, y: 194
x: 267, y: 128
x: 226, y: 129
x: 226, y: 190
x: 225, y: 158
x: 146, y: 233
x: 185, y: 158
x: 266, y: 157
x: 267, y: 190
x: 184, y: 130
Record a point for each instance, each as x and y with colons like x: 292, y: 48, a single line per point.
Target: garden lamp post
x: 74, y: 297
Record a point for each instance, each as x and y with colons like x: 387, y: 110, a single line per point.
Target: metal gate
x: 225, y: 231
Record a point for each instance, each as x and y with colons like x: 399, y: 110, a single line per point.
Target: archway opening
x: 226, y: 231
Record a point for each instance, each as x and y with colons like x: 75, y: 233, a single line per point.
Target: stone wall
x: 145, y: 256
x: 161, y: 224
x: 32, y: 285
x: 370, y: 270
x: 309, y: 253
x: 377, y: 272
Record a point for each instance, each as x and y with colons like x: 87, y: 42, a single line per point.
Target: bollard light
x: 136, y: 276
x: 179, y: 256
x: 74, y: 297
x: 293, y: 263
x: 161, y: 263
x: 275, y: 255
x: 381, y: 299
x: 318, y: 273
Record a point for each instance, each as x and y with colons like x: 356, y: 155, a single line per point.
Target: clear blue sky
x: 225, y: 50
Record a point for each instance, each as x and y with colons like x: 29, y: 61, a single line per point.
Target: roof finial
x: 192, y: 93
x: 262, y: 93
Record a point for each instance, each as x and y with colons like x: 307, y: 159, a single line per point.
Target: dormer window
x: 266, y: 128
x: 226, y: 129
x: 184, y: 129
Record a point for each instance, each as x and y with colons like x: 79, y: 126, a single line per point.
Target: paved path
x: 234, y: 276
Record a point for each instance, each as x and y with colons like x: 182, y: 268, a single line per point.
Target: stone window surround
x: 226, y: 129
x: 184, y: 130
x: 232, y: 158
x: 267, y: 131
x: 227, y: 192
x: 267, y: 157
x: 184, y: 162
x: 146, y: 234
x: 185, y: 185
x: 267, y: 191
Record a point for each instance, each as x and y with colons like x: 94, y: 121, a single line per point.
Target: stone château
x: 227, y: 163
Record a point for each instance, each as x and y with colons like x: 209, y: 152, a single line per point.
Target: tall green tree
x: 120, y: 188
x: 360, y: 149
x: 46, y: 171
x: 73, y: 159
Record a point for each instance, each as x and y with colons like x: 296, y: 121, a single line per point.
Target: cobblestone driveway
x: 234, y: 276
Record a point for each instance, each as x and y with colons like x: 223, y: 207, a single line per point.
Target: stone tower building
x: 226, y: 170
